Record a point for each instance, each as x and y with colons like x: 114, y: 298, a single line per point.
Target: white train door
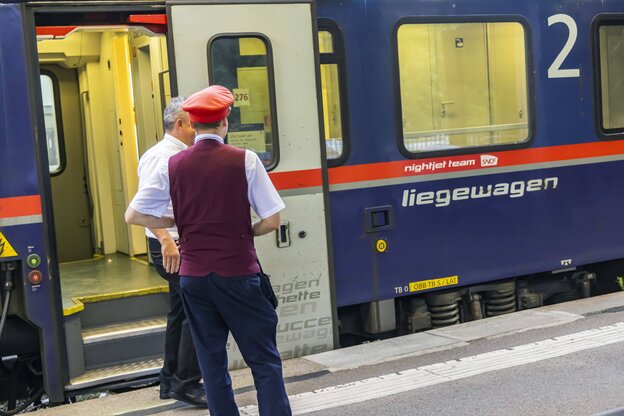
x: 266, y: 54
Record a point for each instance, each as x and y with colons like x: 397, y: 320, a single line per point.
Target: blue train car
x: 440, y: 161
x: 483, y: 146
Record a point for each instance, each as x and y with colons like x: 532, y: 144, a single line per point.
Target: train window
x: 333, y: 100
x: 462, y: 85
x: 611, y: 61
x: 49, y: 92
x: 244, y: 65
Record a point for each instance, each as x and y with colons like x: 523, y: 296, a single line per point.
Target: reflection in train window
x: 612, y: 76
x: 51, y: 118
x: 462, y: 85
x: 243, y: 64
x: 331, y: 94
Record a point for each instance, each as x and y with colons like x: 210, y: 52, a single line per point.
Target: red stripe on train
x: 55, y: 31
x: 297, y: 179
x: 20, y: 206
x: 416, y: 167
x: 150, y: 19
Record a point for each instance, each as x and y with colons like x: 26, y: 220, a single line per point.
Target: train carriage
x: 441, y: 162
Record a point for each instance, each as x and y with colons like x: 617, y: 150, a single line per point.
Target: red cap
x: 209, y: 105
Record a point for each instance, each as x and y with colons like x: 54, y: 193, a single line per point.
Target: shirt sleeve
x: 263, y: 196
x: 152, y: 197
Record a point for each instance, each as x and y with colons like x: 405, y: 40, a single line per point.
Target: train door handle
x: 378, y: 218
x: 283, y: 235
x: 443, y: 105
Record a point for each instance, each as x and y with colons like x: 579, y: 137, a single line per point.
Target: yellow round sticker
x: 381, y: 246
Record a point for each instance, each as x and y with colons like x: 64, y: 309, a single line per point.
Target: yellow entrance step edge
x: 79, y: 301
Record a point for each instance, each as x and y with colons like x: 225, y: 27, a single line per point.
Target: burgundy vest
x: 208, y: 187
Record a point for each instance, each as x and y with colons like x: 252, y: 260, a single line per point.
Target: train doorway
x: 107, y: 102
x: 102, y: 107
x: 66, y: 153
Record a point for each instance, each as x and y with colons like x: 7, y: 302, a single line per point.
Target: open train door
x: 27, y: 253
x: 266, y: 53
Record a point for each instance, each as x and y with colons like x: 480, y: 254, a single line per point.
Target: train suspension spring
x: 444, y: 309
x: 444, y: 315
x: 499, y: 302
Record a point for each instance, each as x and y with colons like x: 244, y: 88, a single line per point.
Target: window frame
x: 58, y: 115
x: 271, y: 75
x: 337, y: 57
x: 605, y: 19
x: 530, y: 84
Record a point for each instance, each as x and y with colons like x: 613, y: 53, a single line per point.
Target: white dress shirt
x: 152, y: 165
x: 153, y: 198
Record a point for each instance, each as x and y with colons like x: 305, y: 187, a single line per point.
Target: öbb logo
x: 488, y: 160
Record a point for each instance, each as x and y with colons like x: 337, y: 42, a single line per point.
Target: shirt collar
x: 208, y: 136
x: 176, y: 142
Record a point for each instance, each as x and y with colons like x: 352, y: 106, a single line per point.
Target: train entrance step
x: 116, y: 338
x: 122, y: 330
x: 116, y: 373
x: 122, y: 342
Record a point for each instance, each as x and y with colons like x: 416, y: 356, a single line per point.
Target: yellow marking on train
x: 138, y: 260
x: 6, y: 249
x: 381, y: 246
x: 94, y: 258
x: 79, y: 302
x: 433, y: 283
x: 75, y: 308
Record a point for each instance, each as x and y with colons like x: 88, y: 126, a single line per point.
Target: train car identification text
x: 428, y: 284
x: 444, y: 197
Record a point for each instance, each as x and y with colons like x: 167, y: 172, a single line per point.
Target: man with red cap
x: 212, y: 187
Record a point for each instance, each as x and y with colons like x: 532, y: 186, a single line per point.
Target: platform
x: 332, y: 379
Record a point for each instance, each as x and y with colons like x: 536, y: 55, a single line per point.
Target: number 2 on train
x: 555, y: 70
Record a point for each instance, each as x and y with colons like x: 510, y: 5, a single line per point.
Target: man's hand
x: 168, y: 249
x: 170, y: 255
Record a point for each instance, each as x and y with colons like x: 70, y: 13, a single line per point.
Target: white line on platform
x: 415, y: 378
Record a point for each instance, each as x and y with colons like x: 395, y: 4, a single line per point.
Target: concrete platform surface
x: 140, y: 401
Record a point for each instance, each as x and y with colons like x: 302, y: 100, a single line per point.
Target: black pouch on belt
x: 266, y: 287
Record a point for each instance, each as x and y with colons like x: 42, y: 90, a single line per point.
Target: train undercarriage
x: 410, y: 314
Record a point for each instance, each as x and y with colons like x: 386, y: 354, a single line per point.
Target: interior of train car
x: 103, y: 89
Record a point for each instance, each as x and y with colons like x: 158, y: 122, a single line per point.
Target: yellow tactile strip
x: 79, y: 301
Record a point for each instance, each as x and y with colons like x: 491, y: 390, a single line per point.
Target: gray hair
x: 173, y: 112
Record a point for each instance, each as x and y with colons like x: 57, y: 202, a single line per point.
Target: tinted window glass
x: 242, y: 64
x: 331, y: 93
x: 50, y: 116
x: 462, y: 85
x: 612, y: 76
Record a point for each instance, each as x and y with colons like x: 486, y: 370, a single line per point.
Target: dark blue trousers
x: 216, y: 305
x: 180, y: 367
